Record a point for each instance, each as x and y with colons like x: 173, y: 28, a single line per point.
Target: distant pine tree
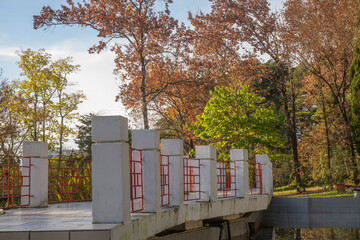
x: 83, y: 139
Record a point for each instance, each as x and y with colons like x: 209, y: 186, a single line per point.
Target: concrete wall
x: 147, y: 225
x: 239, y: 229
x: 313, y: 213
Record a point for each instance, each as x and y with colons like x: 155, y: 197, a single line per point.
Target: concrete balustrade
x: 149, y: 142
x: 266, y: 167
x: 110, y: 170
x: 174, y: 149
x: 111, y: 175
x: 208, y: 178
x: 38, y: 152
x: 240, y: 156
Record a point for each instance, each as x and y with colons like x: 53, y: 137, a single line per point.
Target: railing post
x: 38, y: 152
x: 174, y: 149
x: 266, y: 176
x: 208, y: 178
x: 240, y: 156
x: 149, y: 142
x: 110, y: 170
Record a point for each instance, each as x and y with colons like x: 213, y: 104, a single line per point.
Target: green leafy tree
x: 37, y: 89
x: 237, y: 118
x: 49, y: 108
x: 5, y: 92
x: 12, y: 107
x: 7, y: 126
x: 66, y: 103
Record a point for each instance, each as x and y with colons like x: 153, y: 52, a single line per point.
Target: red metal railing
x: 69, y: 181
x: 164, y: 178
x: 14, y: 181
x: 226, y: 179
x: 192, y: 189
x: 255, y: 179
x: 136, y: 180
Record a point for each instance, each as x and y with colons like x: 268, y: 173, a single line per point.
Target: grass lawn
x: 316, y: 191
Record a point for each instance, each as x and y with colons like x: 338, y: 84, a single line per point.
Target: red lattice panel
x: 255, y: 179
x: 69, y: 181
x: 14, y: 181
x: 226, y: 179
x: 136, y: 180
x: 164, y: 178
x: 192, y: 189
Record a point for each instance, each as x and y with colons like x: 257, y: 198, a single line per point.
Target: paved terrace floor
x: 65, y: 216
x: 58, y: 221
x: 56, y: 217
x: 70, y: 221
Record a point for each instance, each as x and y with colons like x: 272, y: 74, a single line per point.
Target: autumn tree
x: 146, y: 42
x: 321, y: 131
x: 320, y: 35
x: 214, y: 60
x: 249, y: 28
x: 178, y: 107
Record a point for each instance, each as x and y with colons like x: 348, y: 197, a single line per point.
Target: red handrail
x: 192, y: 189
x: 69, y: 180
x: 136, y: 180
x: 226, y: 179
x: 255, y: 179
x: 164, y: 178
x: 14, y: 181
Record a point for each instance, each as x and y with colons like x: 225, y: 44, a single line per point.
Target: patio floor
x: 64, y: 221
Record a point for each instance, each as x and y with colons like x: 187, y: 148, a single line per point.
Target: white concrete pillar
x: 208, y: 179
x: 38, y: 152
x: 240, y: 156
x: 174, y: 149
x: 149, y: 142
x: 265, y: 166
x: 110, y: 170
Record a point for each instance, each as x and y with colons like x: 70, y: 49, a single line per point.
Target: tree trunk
x: 44, y: 122
x: 294, y: 143
x: 290, y: 118
x: 61, y: 138
x: 353, y: 155
x: 35, y: 136
x: 349, y: 138
x: 143, y: 92
x: 327, y: 133
x: 145, y: 113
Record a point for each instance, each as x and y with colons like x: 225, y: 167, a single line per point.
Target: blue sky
x: 95, y: 78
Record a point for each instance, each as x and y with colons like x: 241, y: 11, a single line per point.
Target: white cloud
x: 96, y: 78
x: 8, y: 51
